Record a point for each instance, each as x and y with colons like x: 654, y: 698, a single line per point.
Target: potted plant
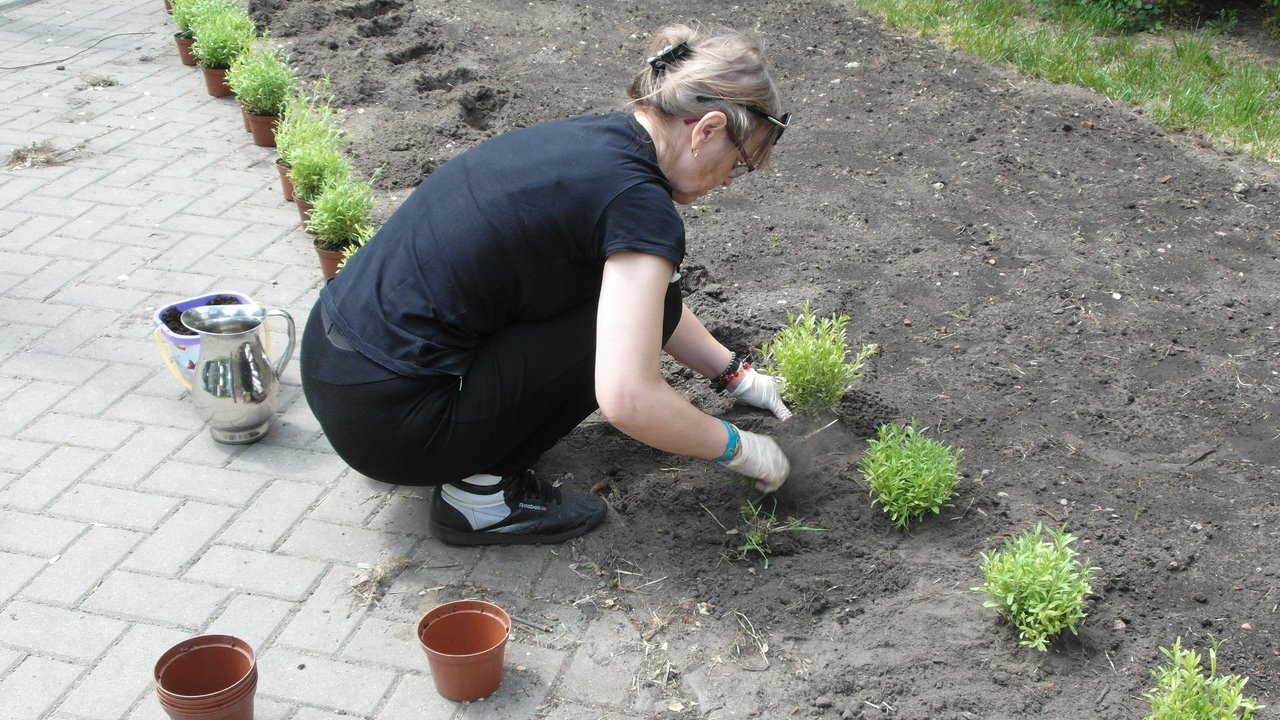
x: 312, y: 167
x: 223, y: 33
x: 262, y: 80
x: 341, y: 219
x: 308, y: 118
x: 185, y: 14
x: 349, y: 251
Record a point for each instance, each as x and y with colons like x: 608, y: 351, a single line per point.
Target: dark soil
x: 1081, y: 301
x: 172, y: 316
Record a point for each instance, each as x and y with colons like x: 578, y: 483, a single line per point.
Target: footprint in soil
x: 380, y: 26
x: 447, y: 80
x: 414, y: 52
x: 370, y: 10
x: 479, y: 105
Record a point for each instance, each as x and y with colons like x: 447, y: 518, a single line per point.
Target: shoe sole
x: 449, y: 536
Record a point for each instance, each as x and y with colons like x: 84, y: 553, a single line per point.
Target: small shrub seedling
x: 761, y: 523
x: 1184, y: 692
x: 309, y: 119
x: 1037, y: 585
x: 810, y: 356
x: 314, y: 167
x: 186, y: 13
x: 340, y: 217
x: 262, y: 79
x: 223, y: 33
x: 908, y: 474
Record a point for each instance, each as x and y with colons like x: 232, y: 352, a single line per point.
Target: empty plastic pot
x: 210, y: 677
x: 465, y: 642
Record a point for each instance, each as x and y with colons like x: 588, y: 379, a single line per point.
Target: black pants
x: 528, y: 386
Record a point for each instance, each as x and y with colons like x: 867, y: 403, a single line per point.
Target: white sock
x: 481, y: 510
x: 483, y: 479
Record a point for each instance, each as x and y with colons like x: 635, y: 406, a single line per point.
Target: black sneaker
x: 535, y: 512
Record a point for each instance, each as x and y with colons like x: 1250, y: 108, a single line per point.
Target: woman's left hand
x: 760, y: 391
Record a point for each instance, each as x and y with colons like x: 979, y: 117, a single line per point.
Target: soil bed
x: 172, y: 317
x: 1080, y: 301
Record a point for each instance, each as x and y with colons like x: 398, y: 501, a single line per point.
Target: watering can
x: 234, y: 386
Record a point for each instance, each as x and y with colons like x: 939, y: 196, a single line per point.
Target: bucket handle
x: 168, y: 359
x: 288, y: 348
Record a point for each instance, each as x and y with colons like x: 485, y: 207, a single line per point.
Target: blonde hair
x: 723, y: 70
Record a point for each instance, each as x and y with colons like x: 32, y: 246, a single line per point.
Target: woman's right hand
x: 761, y: 459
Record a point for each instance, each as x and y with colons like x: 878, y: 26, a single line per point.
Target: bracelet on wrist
x: 733, y: 445
x: 737, y: 365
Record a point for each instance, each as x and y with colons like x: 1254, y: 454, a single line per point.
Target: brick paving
x: 123, y: 526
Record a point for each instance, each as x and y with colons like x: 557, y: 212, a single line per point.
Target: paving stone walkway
x: 124, y: 527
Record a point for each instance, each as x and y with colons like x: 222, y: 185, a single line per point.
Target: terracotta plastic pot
x: 184, y: 49
x: 286, y: 184
x: 244, y: 119
x: 465, y: 642
x: 263, y: 128
x: 329, y: 260
x: 215, y: 81
x: 304, y: 211
x: 209, y: 677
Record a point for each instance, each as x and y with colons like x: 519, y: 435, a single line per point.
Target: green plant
x: 341, y: 215
x: 761, y: 524
x: 349, y: 251
x: 262, y: 79
x: 1184, y: 692
x: 1224, y: 22
x: 313, y: 167
x: 909, y: 474
x: 223, y: 33
x: 308, y: 119
x: 1107, y: 16
x: 1183, y: 80
x: 810, y: 357
x: 1037, y: 585
x: 186, y: 13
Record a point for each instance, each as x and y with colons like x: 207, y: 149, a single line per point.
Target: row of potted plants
x: 334, y: 203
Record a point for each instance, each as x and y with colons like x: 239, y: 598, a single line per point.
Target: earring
x: 695, y: 152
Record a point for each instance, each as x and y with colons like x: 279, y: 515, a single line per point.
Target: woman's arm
x: 695, y: 348
x: 630, y: 388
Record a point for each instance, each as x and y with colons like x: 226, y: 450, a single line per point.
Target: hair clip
x: 666, y: 56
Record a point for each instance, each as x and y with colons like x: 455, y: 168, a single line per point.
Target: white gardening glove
x: 759, y: 390
x: 760, y: 459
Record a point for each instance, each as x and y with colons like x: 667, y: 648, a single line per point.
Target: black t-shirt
x: 516, y: 229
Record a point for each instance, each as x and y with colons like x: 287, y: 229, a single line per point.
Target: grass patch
x: 1186, y: 80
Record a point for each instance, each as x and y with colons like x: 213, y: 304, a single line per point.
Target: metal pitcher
x: 234, y: 386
